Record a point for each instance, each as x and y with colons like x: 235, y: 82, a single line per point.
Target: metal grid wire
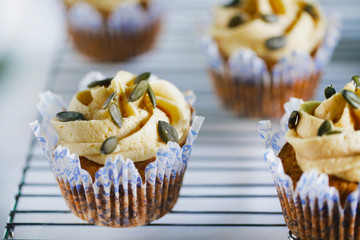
x: 227, y: 192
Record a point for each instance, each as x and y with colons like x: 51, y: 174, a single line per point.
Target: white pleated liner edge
x: 245, y: 65
x: 311, y: 185
x: 126, y: 18
x: 66, y: 166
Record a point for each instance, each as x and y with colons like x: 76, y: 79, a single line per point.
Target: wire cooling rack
x: 227, y: 193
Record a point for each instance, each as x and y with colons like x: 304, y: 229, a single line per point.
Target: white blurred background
x: 29, y: 34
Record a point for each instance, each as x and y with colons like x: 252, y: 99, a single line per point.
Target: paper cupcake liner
x: 313, y: 209
x: 118, y: 197
x: 115, y: 46
x: 245, y: 85
x: 259, y: 99
x: 128, y: 31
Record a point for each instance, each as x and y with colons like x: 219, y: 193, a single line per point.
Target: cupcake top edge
x: 326, y: 135
x: 107, y: 6
x: 272, y: 28
x: 129, y: 115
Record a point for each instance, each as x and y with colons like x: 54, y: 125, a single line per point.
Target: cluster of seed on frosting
x: 165, y: 130
x: 327, y: 127
x: 273, y: 43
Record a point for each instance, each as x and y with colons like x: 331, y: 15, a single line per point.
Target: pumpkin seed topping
x: 356, y: 80
x: 167, y: 132
x: 101, y: 83
x: 270, y: 18
x: 293, y: 119
x: 325, y: 127
x: 138, y: 91
x: 236, y: 21
x: 69, y: 116
x: 329, y: 91
x: 331, y: 132
x: 143, y: 76
x: 109, y: 145
x: 275, y: 43
x: 351, y: 98
x: 309, y: 106
x: 115, y: 114
x: 109, y: 100
x: 233, y: 3
x: 310, y: 9
x: 152, y: 96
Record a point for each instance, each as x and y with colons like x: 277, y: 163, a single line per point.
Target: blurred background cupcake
x: 113, y: 30
x: 262, y: 52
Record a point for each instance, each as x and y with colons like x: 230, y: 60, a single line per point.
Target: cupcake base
x: 260, y: 99
x: 306, y: 222
x: 139, y: 206
x: 109, y: 45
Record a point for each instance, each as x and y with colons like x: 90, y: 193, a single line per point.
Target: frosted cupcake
x: 113, y: 30
x: 260, y: 53
x: 316, y: 172
x: 120, y: 150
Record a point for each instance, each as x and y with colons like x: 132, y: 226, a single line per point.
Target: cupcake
x: 260, y: 53
x: 315, y: 164
x: 119, y: 151
x: 113, y: 30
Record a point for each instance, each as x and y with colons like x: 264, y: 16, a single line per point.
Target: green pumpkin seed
x: 167, y: 132
x: 309, y: 106
x: 106, y: 82
x: 115, y: 114
x: 143, y: 76
x: 310, y: 9
x: 270, y: 18
x: 138, y: 91
x: 329, y: 91
x: 275, y: 43
x: 351, y: 98
x: 356, y: 80
x: 331, y: 132
x: 236, y: 21
x: 233, y: 3
x: 152, y: 96
x: 109, y: 145
x: 69, y: 116
x: 293, y: 119
x: 325, y: 127
x: 108, y: 100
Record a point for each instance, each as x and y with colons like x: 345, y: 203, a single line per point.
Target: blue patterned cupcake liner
x: 245, y: 84
x: 313, y: 209
x: 118, y: 197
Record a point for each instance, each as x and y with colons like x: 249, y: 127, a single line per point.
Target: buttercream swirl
x: 138, y: 136
x: 302, y: 29
x: 334, y: 154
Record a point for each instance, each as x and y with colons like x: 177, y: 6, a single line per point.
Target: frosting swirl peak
x: 272, y: 28
x: 336, y: 152
x: 138, y: 136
